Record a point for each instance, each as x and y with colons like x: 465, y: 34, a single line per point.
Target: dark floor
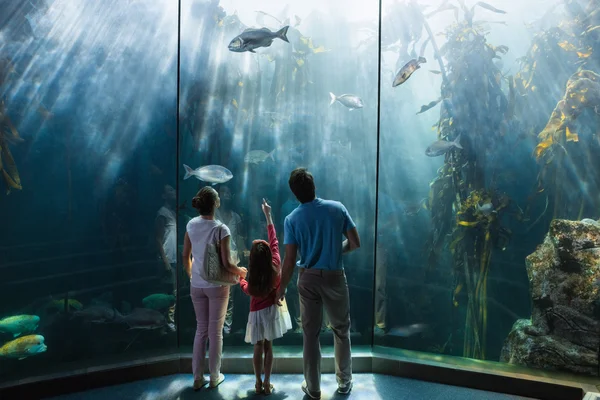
x: 366, y: 386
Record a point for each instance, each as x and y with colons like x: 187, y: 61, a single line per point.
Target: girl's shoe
x: 214, y: 384
x: 269, y: 389
x: 199, y: 383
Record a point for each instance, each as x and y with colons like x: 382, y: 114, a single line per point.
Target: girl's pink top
x: 261, y: 303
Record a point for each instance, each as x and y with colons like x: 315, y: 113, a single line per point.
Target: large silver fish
x: 406, y: 71
x: 252, y: 39
x: 349, y: 100
x: 441, y: 147
x: 212, y: 174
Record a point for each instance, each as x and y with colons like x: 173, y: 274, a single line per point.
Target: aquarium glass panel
x: 265, y: 88
x: 88, y: 147
x: 488, y: 190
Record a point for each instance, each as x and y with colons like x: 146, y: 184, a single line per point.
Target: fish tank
x: 462, y: 137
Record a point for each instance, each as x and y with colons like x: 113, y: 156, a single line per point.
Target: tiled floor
x: 235, y: 387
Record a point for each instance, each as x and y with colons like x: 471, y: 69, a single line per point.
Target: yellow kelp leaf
x: 320, y: 49
x: 586, y: 54
x: 542, y: 147
x: 304, y: 39
x: 9, y: 171
x: 567, y: 46
x: 300, y: 62
x: 241, y: 84
x: 468, y: 224
x: 562, y: 117
x: 456, y: 292
x: 571, y: 137
x: 234, y: 103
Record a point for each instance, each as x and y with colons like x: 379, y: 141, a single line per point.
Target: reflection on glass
x: 87, y: 138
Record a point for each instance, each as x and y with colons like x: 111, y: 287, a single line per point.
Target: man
x: 165, y: 227
x: 316, y: 229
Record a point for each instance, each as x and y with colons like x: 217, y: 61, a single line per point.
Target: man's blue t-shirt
x: 318, y: 228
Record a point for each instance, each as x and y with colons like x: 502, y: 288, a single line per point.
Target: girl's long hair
x: 261, y: 271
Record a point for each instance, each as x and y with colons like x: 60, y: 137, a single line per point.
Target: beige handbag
x: 213, y: 270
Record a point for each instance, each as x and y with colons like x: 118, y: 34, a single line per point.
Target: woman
x: 210, y: 300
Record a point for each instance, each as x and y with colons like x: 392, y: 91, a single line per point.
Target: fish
x: 99, y: 314
x: 258, y: 156
x: 349, y: 100
x: 252, y: 39
x: 406, y: 331
x: 144, y: 318
x: 441, y: 147
x: 23, y: 347
x: 486, y: 209
x: 19, y: 324
x: 212, y: 174
x: 158, y: 301
x: 408, y: 69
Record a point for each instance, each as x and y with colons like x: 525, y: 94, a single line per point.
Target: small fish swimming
x: 252, y: 39
x: 19, y: 324
x: 158, y: 301
x: 349, y: 100
x: 212, y: 174
x: 441, y: 147
x: 258, y: 156
x: 23, y: 347
x: 406, y: 71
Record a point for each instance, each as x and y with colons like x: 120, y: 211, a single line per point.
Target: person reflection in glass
x: 165, y: 228
x: 226, y: 215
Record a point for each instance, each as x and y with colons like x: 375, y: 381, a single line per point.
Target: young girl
x: 267, y: 320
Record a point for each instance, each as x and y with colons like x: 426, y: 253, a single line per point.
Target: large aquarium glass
x: 489, y: 191
x: 302, y: 95
x: 88, y: 151
x: 462, y: 137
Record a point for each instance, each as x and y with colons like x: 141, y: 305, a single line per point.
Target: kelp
x: 558, y: 99
x: 8, y: 167
x: 476, y: 108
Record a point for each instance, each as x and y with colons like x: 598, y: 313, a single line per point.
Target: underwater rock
x: 564, y: 275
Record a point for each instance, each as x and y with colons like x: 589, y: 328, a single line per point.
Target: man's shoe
x: 345, y: 388
x: 312, y: 395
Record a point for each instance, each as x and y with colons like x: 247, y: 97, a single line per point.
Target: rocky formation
x: 564, y: 277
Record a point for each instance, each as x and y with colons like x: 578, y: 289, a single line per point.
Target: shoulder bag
x: 213, y: 270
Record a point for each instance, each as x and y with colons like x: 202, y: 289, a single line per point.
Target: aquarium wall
x: 88, y: 139
x: 461, y: 137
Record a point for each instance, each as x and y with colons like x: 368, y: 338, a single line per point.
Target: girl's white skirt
x: 269, y: 323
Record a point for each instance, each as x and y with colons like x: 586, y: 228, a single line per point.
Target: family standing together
x: 319, y: 232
